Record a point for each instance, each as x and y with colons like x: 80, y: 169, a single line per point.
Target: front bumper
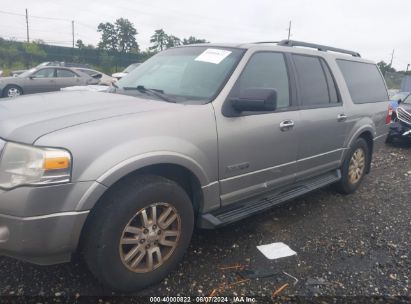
x: 43, y: 225
x: 400, y: 129
x: 45, y: 240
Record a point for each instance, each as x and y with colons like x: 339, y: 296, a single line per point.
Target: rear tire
x: 354, y: 167
x: 131, y: 239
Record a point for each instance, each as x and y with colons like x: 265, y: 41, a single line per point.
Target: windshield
x: 407, y: 100
x: 131, y: 67
x: 27, y: 73
x: 187, y: 73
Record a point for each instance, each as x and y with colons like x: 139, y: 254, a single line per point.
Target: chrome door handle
x: 342, y: 117
x: 286, y: 125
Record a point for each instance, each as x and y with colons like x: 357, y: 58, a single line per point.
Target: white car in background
x: 104, y: 80
x: 127, y: 70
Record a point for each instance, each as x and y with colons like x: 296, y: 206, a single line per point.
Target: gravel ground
x: 355, y: 245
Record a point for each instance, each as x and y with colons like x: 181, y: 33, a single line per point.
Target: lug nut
x: 142, y: 241
x: 154, y: 226
x: 145, y: 231
x: 159, y: 232
x: 147, y: 246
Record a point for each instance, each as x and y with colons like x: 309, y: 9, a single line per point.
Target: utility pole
x: 408, y: 65
x: 27, y: 25
x: 72, y: 31
x: 392, y: 57
x: 289, y: 31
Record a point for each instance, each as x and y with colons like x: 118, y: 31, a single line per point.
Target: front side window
x: 62, y: 73
x: 185, y: 73
x: 316, y: 85
x: 44, y: 73
x: 364, y: 81
x: 266, y: 70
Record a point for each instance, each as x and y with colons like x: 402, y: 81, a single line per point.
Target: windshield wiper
x: 158, y: 93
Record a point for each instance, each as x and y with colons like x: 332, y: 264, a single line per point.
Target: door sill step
x: 243, y: 209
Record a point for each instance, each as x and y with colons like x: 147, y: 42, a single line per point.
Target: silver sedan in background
x: 45, y: 79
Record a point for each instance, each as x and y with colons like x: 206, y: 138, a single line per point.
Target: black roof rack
x: 319, y: 47
x: 262, y: 42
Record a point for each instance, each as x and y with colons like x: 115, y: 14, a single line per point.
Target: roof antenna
x: 289, y: 31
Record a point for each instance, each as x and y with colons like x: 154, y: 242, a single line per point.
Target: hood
x: 26, y: 118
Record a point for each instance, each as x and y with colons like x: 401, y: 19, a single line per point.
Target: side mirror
x: 31, y: 77
x: 97, y: 76
x: 256, y: 100
x: 399, y: 101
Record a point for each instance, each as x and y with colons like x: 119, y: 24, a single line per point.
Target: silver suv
x: 201, y: 135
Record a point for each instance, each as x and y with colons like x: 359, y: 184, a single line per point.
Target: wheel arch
x: 3, y: 92
x: 183, y: 176
x: 367, y: 133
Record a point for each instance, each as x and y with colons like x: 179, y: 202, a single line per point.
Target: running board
x: 243, y: 209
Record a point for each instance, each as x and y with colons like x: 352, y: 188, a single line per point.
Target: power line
x: 34, y: 16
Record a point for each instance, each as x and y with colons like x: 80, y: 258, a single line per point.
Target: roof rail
x: 319, y: 47
x: 262, y: 42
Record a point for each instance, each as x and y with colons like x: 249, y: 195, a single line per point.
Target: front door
x: 257, y: 153
x: 42, y: 80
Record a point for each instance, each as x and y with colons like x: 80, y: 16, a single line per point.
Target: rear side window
x: 65, y: 73
x: 316, y: 84
x: 364, y: 81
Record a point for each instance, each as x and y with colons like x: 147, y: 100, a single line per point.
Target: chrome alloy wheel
x: 13, y: 92
x: 150, y: 237
x: 357, y: 166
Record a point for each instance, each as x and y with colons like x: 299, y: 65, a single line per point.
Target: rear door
x: 67, y: 78
x: 42, y: 80
x: 323, y: 117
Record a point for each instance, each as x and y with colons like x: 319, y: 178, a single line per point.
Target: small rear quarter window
x: 364, y: 81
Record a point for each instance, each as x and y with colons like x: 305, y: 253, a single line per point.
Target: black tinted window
x: 269, y: 71
x: 364, y: 81
x: 65, y: 73
x: 315, y: 81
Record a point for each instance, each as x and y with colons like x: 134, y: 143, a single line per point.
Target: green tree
x: 159, y: 41
x: 33, y: 53
x: 126, y: 35
x: 193, y: 40
x: 173, y: 41
x: 109, y: 40
x: 385, y: 67
x: 80, y: 44
x: 119, y: 37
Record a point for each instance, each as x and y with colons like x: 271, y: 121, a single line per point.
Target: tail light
x: 389, y: 115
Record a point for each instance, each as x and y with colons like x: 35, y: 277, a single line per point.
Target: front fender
x: 133, y: 164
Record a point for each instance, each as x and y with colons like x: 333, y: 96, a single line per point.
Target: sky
x: 374, y: 28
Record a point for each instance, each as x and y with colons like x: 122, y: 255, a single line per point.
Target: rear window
x: 364, y: 81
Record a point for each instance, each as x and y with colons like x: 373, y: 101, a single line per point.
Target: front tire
x: 12, y: 91
x: 354, y: 167
x: 139, y: 233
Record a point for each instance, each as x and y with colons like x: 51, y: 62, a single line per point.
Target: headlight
x: 27, y: 165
